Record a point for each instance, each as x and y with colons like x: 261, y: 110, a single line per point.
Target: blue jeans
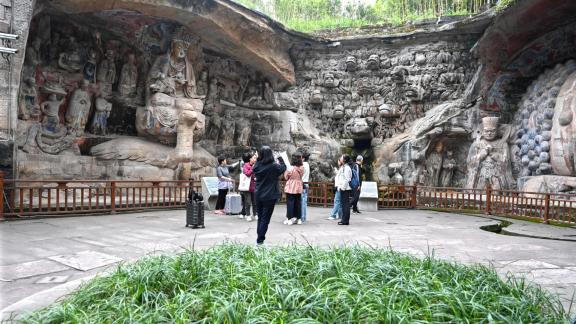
x: 304, y: 198
x: 337, y: 209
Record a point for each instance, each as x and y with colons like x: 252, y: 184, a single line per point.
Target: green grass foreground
x: 302, y: 284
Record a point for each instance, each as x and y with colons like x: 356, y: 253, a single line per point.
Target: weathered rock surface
x: 222, y: 25
x: 214, y: 78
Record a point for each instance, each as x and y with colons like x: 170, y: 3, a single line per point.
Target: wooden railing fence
x: 30, y: 198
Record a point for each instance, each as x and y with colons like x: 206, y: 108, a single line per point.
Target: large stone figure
x: 100, y: 120
x: 78, y: 110
x: 173, y: 112
x: 228, y: 130
x: 106, y: 74
x: 28, y: 104
x: 434, y: 164
x: 51, y: 108
x: 128, y: 78
x: 172, y: 73
x: 448, y: 168
x: 563, y: 143
x: 489, y: 160
x: 243, y: 131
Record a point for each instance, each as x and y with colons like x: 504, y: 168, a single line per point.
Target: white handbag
x: 244, y: 184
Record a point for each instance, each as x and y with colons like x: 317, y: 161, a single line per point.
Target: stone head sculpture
x: 180, y: 43
x: 31, y: 81
x: 490, y: 128
x: 338, y: 112
x: 373, y: 62
x: 329, y: 80
x: 110, y: 54
x: 399, y: 74
x: 179, y: 49
x: 351, y: 63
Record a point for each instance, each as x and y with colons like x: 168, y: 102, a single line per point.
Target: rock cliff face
x: 132, y: 89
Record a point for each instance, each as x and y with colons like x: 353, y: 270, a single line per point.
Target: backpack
x: 355, y: 181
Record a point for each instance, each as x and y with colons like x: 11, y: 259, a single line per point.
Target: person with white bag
x: 247, y: 185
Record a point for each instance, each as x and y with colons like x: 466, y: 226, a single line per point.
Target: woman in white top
x: 305, y: 179
x: 342, y: 184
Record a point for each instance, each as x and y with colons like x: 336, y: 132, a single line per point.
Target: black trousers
x: 247, y: 201
x: 345, y: 203
x: 221, y: 202
x: 355, y: 198
x: 293, y: 206
x: 264, y: 210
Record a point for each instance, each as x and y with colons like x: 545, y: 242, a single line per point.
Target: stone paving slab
x: 128, y: 237
x: 86, y: 260
x: 30, y: 269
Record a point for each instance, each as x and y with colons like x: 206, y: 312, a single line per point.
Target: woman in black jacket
x: 267, y: 190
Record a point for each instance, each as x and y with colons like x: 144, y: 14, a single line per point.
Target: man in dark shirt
x: 356, y: 195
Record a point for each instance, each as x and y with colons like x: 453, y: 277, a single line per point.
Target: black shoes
x: 340, y: 223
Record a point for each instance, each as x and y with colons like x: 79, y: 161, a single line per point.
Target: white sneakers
x: 241, y: 216
x: 293, y: 221
x: 248, y: 218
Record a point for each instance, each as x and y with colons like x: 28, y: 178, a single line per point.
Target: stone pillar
x: 190, y: 121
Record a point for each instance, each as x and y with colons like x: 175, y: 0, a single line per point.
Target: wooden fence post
x: 325, y: 190
x: 414, y: 192
x: 1, y: 195
x: 546, y: 208
x: 113, y: 197
x: 488, y: 199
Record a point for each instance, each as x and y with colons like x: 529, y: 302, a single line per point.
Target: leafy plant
x: 240, y: 284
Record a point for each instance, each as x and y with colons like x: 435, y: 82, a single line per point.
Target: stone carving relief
x: 28, y: 100
x: 128, y: 77
x: 389, y: 89
x: 101, y: 114
x: 534, y: 122
x: 563, y: 144
x: 489, y: 159
x: 78, y: 110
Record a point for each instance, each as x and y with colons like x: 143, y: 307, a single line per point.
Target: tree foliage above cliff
x: 313, y: 15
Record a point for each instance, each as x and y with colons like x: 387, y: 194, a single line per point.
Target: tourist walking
x: 293, y: 190
x: 305, y: 180
x: 342, y: 182
x: 356, y: 193
x: 225, y: 182
x: 248, y: 196
x: 267, y: 191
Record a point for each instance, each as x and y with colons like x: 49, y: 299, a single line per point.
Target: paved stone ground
x: 43, y: 259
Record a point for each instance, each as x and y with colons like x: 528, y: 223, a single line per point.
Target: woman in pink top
x: 248, y: 196
x: 293, y: 189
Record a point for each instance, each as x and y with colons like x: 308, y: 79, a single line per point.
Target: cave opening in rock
x: 363, y: 147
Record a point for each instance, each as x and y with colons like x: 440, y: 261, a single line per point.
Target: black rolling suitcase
x: 194, y: 210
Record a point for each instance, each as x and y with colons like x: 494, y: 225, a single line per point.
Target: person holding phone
x: 225, y: 182
x: 267, y: 191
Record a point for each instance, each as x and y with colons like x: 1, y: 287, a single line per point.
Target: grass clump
x: 239, y: 284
